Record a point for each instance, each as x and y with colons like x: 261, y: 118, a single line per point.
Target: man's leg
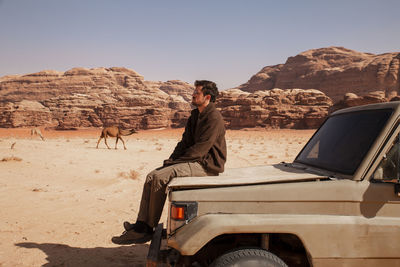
x: 154, y: 189
x: 153, y: 199
x: 159, y: 186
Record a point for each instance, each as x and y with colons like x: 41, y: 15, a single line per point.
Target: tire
x: 248, y: 257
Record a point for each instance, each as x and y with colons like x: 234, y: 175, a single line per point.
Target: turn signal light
x: 178, y: 212
x: 181, y: 213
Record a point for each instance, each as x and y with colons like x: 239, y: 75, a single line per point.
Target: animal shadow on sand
x: 64, y: 255
x: 114, y: 131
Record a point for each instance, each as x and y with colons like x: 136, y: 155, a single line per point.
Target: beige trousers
x: 154, y: 190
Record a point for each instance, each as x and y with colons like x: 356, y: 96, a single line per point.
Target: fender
x: 359, y: 234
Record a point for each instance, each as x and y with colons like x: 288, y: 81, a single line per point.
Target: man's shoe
x: 128, y: 226
x: 132, y: 237
x: 139, y: 227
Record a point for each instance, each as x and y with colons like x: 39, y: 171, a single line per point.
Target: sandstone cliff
x: 83, y: 97
x: 334, y: 70
x: 277, y: 108
x: 99, y: 97
x: 118, y: 96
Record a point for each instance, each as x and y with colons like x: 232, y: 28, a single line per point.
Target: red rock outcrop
x: 117, y: 96
x: 83, y: 97
x: 24, y: 113
x: 276, y: 108
x: 98, y: 97
x: 352, y: 100
x: 334, y: 71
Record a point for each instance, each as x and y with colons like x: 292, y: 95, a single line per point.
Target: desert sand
x: 62, y: 199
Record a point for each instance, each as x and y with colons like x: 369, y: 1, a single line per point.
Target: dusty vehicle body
x: 337, y: 204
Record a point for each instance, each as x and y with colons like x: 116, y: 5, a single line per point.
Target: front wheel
x: 248, y: 257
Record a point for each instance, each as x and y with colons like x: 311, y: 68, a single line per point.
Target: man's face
x: 198, y: 98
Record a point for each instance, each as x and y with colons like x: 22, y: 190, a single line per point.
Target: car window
x: 342, y: 142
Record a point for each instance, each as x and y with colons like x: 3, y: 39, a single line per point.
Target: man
x: 201, y: 152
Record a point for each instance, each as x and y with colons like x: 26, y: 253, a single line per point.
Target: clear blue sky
x: 226, y: 41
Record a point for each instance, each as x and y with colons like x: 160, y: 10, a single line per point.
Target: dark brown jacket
x: 203, y: 141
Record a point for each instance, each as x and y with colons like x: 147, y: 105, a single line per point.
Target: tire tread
x: 231, y: 257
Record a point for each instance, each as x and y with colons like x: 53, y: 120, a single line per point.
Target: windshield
x: 343, y: 140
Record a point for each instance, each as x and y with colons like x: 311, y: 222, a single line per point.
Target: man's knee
x: 160, y: 175
x: 150, y: 176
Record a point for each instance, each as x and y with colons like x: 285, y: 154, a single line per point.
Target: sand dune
x: 62, y: 199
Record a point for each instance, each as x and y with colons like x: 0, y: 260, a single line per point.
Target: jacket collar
x: 208, y: 109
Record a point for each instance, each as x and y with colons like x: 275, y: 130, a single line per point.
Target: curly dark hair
x: 208, y: 88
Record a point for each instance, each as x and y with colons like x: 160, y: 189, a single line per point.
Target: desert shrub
x: 12, y: 158
x: 132, y: 174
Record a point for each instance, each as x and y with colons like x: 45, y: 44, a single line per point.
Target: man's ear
x: 208, y: 97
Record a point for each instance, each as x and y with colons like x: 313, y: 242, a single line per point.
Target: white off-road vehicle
x: 337, y: 204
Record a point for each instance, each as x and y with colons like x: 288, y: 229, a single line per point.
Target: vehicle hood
x: 278, y: 173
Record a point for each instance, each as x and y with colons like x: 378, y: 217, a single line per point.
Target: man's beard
x: 197, y: 104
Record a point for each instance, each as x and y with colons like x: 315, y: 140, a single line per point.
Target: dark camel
x: 114, y: 131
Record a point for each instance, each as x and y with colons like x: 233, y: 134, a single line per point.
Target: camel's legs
x: 123, y: 142
x: 36, y: 132
x: 98, y: 142
x: 116, y: 141
x: 105, y: 141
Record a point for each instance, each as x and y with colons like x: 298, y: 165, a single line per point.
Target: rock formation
x: 334, y: 70
x: 101, y: 97
x: 276, y: 108
x: 97, y: 97
x: 352, y: 100
x: 117, y: 96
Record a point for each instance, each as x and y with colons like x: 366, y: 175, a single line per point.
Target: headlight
x: 180, y: 213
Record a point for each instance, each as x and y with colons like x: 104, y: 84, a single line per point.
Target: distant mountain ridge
x: 297, y: 94
x: 334, y: 71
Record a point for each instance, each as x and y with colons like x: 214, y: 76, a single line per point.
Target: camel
x: 114, y: 131
x: 36, y: 131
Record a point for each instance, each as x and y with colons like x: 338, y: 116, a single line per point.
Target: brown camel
x: 114, y: 131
